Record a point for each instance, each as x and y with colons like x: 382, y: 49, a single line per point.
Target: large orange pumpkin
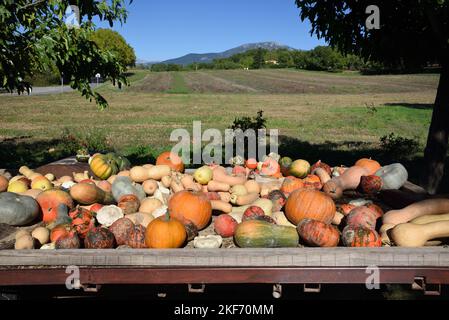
x: 369, y: 164
x: 191, y: 205
x: 291, y: 184
x: 165, y: 232
x: 172, y: 160
x: 309, y: 203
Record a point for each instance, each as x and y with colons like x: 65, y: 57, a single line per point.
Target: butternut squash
x: 239, y: 190
x: 417, y: 235
x: 222, y: 206
x: 322, y: 174
x: 265, y: 204
x: 166, y: 181
x: 220, y: 175
x: 218, y: 186
x: 349, y: 180
x: 140, y: 174
x: 225, y: 196
x: 417, y: 209
x: 431, y: 218
x: 252, y: 186
x: 189, y: 184
x: 244, y: 199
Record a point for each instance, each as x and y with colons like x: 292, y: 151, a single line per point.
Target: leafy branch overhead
x: 34, y: 37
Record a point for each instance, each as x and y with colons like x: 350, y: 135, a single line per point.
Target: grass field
x: 322, y: 114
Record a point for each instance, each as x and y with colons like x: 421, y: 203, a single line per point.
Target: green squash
x: 262, y: 234
x: 17, y: 210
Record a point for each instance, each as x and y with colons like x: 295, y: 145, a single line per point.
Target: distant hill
x: 209, y: 57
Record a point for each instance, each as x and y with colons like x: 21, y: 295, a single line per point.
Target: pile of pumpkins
x: 276, y: 202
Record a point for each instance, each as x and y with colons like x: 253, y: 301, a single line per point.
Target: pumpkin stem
x: 167, y: 215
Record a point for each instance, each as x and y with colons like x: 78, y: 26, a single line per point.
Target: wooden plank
x: 282, y: 257
x: 289, y: 275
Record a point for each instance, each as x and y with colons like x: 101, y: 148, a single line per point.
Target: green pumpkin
x: 17, y: 210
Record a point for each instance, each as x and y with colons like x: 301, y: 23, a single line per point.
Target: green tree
x: 112, y: 41
x: 285, y: 59
x: 411, y: 34
x: 324, y: 58
x: 34, y: 36
x: 259, y: 59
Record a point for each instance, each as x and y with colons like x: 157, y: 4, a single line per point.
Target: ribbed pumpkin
x: 369, y: 164
x: 362, y: 217
x: 190, y: 205
x: 360, y: 237
x: 371, y: 184
x: 309, y: 203
x: 136, y: 238
x: 291, y: 184
x: 172, y: 160
x: 103, y: 166
x: 317, y: 233
x: 165, y: 232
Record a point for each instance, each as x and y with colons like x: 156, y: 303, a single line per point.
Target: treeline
x: 321, y: 58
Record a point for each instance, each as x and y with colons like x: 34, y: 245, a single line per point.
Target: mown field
x: 326, y: 115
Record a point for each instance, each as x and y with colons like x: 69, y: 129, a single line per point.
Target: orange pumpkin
x: 291, y: 184
x: 191, y: 205
x: 49, y: 202
x: 318, y: 234
x: 172, y: 160
x: 360, y: 237
x: 309, y: 203
x: 369, y: 164
x: 165, y: 232
x: 312, y: 181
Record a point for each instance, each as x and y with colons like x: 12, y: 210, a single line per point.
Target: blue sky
x: 164, y: 29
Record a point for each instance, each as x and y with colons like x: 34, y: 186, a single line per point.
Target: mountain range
x: 209, y: 57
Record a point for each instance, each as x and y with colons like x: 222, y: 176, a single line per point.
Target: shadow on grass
x: 420, y: 106
x: 21, y: 151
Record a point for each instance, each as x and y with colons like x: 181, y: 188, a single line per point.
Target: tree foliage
x: 110, y: 40
x: 34, y: 37
x: 411, y: 34
x: 408, y: 29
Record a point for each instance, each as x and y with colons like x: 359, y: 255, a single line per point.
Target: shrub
x: 396, y: 147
